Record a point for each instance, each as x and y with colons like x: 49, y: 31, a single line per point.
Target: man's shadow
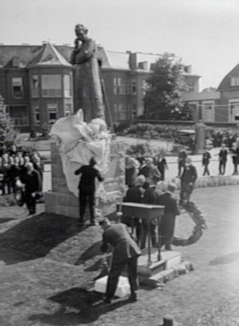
x: 36, y: 236
x: 225, y: 259
x: 78, y: 307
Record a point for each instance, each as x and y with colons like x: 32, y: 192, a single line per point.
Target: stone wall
x: 61, y: 201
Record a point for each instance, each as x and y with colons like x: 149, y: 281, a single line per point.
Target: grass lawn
x: 47, y: 263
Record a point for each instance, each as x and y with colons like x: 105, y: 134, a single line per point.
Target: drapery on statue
x: 88, y: 92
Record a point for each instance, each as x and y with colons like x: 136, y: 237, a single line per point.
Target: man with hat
x: 171, y: 210
x: 188, y: 180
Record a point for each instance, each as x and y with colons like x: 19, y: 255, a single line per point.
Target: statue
x: 78, y: 143
x: 88, y: 92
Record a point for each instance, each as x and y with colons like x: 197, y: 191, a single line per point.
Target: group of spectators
x: 148, y: 187
x: 22, y: 170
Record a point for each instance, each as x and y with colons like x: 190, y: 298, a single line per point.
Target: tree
x: 163, y: 97
x: 6, y: 126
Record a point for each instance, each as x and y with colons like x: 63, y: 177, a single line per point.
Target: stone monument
x: 83, y: 135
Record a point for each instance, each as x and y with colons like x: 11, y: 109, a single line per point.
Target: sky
x: 203, y: 33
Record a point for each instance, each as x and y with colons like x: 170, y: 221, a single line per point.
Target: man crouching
x: 126, y: 252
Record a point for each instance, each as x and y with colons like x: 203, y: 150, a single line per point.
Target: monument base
x: 61, y: 201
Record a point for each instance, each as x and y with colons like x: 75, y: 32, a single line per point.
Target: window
x: 133, y: 86
x: 120, y: 86
x: 51, y: 86
x: 36, y: 112
x: 17, y: 87
x: 144, y: 86
x: 233, y: 110
x: 68, y: 109
x: 67, y: 86
x: 190, y: 85
x: 235, y: 81
x: 52, y: 110
x: 19, y: 115
x: 134, y: 112
x: 35, y: 86
x: 208, y: 111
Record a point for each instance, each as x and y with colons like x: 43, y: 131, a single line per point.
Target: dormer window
x: 235, y: 81
x: 17, y: 87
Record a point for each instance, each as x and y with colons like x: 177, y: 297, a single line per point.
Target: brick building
x: 217, y: 105
x: 37, y: 83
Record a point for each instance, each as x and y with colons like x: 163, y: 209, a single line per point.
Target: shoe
x: 133, y: 297
x: 107, y: 301
x: 93, y: 223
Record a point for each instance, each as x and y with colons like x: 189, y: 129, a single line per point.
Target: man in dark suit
x: 87, y: 189
x: 32, y: 181
x: 222, y: 159
x: 134, y: 195
x: 188, y: 180
x: 171, y: 210
x: 182, y: 155
x: 206, y: 161
x: 150, y: 196
x: 125, y: 252
x: 161, y: 163
x: 149, y: 170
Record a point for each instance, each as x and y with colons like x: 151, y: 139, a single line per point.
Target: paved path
x: 46, y: 264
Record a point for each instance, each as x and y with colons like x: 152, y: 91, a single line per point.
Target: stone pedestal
x: 61, y: 201
x: 200, y: 129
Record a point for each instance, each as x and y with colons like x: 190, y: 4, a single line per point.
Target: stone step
x: 172, y: 272
x: 168, y: 259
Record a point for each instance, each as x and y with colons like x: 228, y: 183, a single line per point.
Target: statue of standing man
x: 88, y: 91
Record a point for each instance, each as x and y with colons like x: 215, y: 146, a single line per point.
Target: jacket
x: 124, y: 246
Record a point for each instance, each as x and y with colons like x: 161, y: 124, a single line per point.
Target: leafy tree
x: 163, y: 97
x: 6, y: 126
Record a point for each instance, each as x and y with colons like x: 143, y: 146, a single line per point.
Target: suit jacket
x: 134, y: 195
x: 189, y: 175
x: 170, y: 212
x: 152, y: 172
x: 87, y: 180
x: 150, y: 196
x: 223, y: 155
x: 206, y: 158
x: 124, y: 246
x: 32, y: 181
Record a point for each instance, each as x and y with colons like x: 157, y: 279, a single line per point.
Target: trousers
x: 31, y: 203
x: 85, y: 198
x: 115, y: 272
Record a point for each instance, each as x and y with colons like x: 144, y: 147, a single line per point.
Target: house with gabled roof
x: 38, y: 86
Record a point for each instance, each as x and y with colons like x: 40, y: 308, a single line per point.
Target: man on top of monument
x: 88, y: 92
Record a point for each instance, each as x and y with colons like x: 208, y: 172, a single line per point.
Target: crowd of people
x: 19, y: 169
x: 149, y: 188
x: 138, y: 164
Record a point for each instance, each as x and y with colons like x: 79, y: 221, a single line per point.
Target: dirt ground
x: 47, y: 263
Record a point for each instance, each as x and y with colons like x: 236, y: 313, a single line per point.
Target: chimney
x: 133, y: 61
x: 188, y: 69
x: 15, y: 62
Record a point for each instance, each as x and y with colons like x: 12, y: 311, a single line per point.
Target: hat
x: 140, y: 180
x: 171, y: 187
